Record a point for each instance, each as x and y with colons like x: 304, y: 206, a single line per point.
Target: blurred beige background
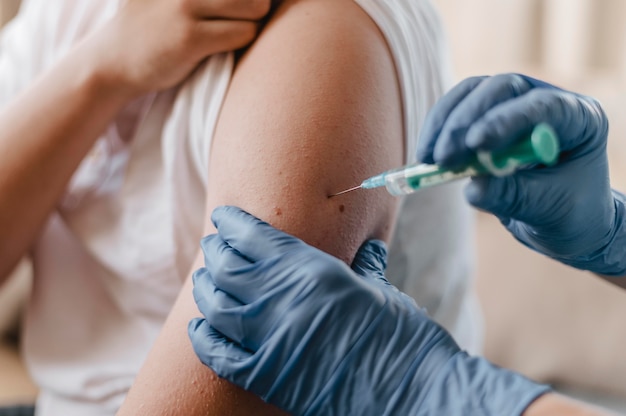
x: 546, y: 320
x: 549, y: 321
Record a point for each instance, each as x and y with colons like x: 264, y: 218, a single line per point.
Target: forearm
x: 46, y: 132
x: 556, y: 405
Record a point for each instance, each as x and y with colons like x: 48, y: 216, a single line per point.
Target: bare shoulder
x: 314, y: 107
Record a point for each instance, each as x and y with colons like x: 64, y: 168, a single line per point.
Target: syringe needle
x: 346, y: 191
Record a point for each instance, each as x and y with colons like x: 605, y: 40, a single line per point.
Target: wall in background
x: 564, y: 38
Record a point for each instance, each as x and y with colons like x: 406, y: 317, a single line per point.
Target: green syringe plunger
x: 540, y: 147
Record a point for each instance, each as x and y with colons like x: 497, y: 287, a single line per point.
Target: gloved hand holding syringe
x: 541, y: 146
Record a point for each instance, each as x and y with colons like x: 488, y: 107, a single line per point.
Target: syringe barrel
x: 415, y: 177
x: 541, y: 146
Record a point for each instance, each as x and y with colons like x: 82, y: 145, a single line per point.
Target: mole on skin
x: 342, y: 208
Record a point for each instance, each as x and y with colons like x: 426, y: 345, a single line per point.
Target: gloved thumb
x: 371, y: 260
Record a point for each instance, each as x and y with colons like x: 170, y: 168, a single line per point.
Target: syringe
x: 541, y: 146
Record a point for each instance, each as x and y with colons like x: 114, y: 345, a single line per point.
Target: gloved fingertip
x: 235, y: 218
x: 375, y: 246
x: 424, y: 151
x: 537, y: 83
x: 505, y: 221
x: 194, y: 325
x: 421, y: 155
x: 203, y: 340
x: 197, y: 273
x: 476, y: 138
x: 203, y: 239
x: 382, y: 279
x: 205, y: 243
x: 222, y: 211
x: 451, y: 151
x: 370, y: 261
x: 230, y: 213
x: 215, y: 350
x: 203, y: 289
x: 424, y: 156
x: 203, y: 335
x: 442, y: 154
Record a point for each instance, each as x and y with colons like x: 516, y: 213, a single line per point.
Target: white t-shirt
x: 111, y: 260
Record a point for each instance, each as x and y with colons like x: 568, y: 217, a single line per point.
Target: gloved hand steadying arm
x: 313, y: 336
x: 567, y: 211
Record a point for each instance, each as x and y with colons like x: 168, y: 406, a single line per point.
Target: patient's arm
x: 313, y: 108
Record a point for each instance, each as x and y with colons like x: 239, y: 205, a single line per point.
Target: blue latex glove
x: 309, y: 334
x: 568, y: 211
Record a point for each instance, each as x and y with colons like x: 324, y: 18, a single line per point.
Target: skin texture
x: 557, y: 405
x: 94, y: 86
x: 314, y: 107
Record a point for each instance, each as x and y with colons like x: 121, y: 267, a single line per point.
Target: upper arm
x: 313, y: 108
